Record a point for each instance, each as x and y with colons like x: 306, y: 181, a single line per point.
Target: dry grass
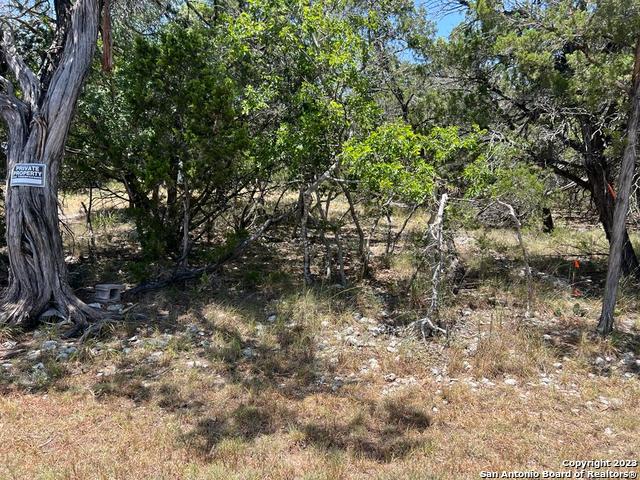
x: 285, y: 383
x: 207, y: 432
x: 504, y: 351
x: 269, y: 416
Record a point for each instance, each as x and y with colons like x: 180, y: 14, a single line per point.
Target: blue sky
x: 446, y: 23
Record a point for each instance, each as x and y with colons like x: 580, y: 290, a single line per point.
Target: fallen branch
x: 191, y: 274
x: 426, y: 327
x: 7, y: 353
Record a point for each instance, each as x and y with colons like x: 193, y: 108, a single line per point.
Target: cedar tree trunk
x: 38, y: 123
x: 604, y: 197
x: 625, y: 181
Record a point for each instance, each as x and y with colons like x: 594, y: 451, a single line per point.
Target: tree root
x: 426, y: 328
x: 25, y: 311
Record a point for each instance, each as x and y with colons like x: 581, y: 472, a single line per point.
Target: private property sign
x: 28, y: 174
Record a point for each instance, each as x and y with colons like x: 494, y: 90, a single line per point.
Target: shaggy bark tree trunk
x: 604, y: 198
x: 38, y: 124
x: 625, y: 181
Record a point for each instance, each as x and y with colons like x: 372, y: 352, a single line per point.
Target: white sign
x: 28, y: 174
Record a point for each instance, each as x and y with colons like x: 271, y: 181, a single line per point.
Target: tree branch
x: 185, y: 275
x: 14, y: 112
x: 62, y: 8
x: 573, y: 177
x: 9, y: 103
x: 29, y: 83
x: 198, y: 14
x: 68, y: 77
x: 8, y: 86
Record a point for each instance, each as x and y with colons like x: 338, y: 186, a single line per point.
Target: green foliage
x: 549, y: 81
x: 389, y: 163
x: 184, y: 99
x: 542, y: 72
x: 445, y: 143
x: 500, y: 173
x: 274, y: 92
x: 520, y: 183
x: 168, y: 123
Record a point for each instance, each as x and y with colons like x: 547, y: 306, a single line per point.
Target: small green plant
x: 106, y: 220
x: 204, y: 282
x: 138, y: 271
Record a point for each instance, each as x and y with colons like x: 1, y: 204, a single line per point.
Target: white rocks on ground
x: 198, y: 364
x: 49, y: 345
